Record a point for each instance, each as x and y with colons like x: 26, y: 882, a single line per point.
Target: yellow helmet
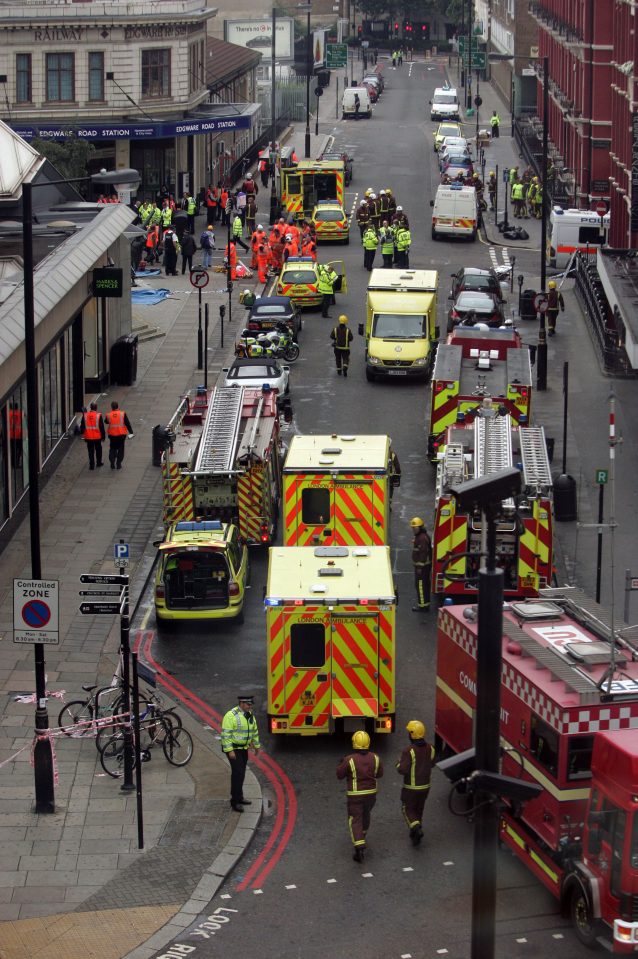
x: 415, y: 522
x: 552, y: 284
x: 492, y: 173
x: 416, y: 729
x: 368, y: 191
x: 360, y: 740
x: 343, y: 318
x: 388, y: 190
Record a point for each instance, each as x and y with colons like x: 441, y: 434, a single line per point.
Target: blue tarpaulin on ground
x: 148, y: 297
x: 142, y: 273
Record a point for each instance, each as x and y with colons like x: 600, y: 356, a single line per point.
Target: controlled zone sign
x: 36, y: 611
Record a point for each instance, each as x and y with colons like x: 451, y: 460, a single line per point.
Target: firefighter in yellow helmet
x: 415, y: 765
x: 422, y: 562
x: 555, y: 302
x: 341, y: 337
x: 360, y: 769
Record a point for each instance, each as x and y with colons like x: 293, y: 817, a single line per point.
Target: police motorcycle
x: 277, y: 343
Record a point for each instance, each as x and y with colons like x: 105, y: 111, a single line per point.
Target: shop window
x: 23, y: 78
x: 4, y: 489
x: 51, y: 427
x: 315, y: 506
x: 60, y: 69
x: 156, y: 73
x: 96, y: 76
x: 307, y: 645
x: 18, y: 443
x: 544, y: 745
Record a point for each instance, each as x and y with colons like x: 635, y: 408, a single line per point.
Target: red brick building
x: 623, y: 180
x: 577, y: 36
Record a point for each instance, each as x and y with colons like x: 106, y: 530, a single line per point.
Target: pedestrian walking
x: 189, y: 248
x: 341, y: 337
x: 415, y: 765
x: 94, y: 434
x: 237, y: 231
x: 207, y: 244
x: 361, y: 770
x: 555, y: 302
x: 118, y: 427
x: 239, y: 734
x: 422, y: 562
x: 495, y: 122
x: 357, y: 106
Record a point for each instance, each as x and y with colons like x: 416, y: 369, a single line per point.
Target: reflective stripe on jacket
x: 239, y: 732
x: 361, y: 770
x: 415, y: 765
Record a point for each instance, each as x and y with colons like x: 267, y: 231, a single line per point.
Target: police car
x: 299, y: 280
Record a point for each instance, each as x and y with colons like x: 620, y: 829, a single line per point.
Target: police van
x: 572, y: 231
x: 444, y: 105
x: 455, y: 212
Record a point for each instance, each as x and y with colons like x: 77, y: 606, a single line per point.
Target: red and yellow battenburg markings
x: 250, y: 497
x: 535, y: 549
x: 178, y: 494
x: 357, y: 512
x: 450, y: 538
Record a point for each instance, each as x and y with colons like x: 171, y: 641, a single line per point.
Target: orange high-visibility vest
x: 115, y: 421
x: 92, y: 425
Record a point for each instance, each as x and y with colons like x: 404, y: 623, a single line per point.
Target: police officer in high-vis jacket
x: 239, y: 734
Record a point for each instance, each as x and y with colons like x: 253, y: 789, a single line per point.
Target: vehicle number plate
x: 397, y: 372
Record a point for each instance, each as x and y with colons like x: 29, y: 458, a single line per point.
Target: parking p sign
x: 35, y: 611
x: 121, y: 555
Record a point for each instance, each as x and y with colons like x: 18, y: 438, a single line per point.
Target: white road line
x: 258, y: 892
x: 407, y: 869
x: 522, y: 939
x: 557, y: 935
x: 441, y: 952
x: 291, y: 887
x: 225, y: 895
x: 448, y: 863
x: 331, y: 880
x: 410, y: 70
x: 367, y: 875
x: 406, y: 955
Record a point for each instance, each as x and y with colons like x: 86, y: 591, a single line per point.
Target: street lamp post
x: 309, y: 59
x: 273, y: 126
x: 42, y: 750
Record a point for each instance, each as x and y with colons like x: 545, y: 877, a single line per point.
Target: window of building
x: 23, y: 78
x: 4, y: 485
x: 156, y: 73
x: 307, y: 645
x: 315, y: 506
x: 196, y: 67
x: 18, y: 443
x: 60, y: 69
x: 51, y: 427
x: 96, y: 76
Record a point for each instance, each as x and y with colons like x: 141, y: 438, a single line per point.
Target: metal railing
x: 528, y: 133
x: 606, y: 329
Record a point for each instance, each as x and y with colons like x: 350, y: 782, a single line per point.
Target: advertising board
x: 257, y: 35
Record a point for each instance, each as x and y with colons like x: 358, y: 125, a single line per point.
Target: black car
x: 479, y: 281
x: 267, y: 311
x: 471, y: 307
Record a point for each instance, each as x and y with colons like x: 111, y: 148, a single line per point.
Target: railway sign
x: 602, y: 476
x: 36, y: 611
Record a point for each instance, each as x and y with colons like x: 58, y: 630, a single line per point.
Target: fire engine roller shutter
x: 355, y: 663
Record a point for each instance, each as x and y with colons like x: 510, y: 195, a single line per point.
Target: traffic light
x: 424, y: 28
x: 359, y: 30
x: 396, y: 27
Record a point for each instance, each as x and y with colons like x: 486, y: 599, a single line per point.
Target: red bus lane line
x: 268, y: 766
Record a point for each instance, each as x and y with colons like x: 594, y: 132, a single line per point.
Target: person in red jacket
x: 262, y: 263
x: 92, y: 428
x: 415, y: 765
x: 117, y: 427
x: 360, y: 769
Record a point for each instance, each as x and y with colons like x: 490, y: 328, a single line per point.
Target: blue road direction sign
x: 121, y: 553
x: 36, y: 611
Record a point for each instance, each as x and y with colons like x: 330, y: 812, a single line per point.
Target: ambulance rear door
x: 306, y: 669
x: 341, y: 510
x: 355, y: 664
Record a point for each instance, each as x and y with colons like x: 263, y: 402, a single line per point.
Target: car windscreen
x: 328, y: 216
x: 399, y: 326
x: 469, y: 301
x: 447, y: 98
x: 477, y: 282
x: 299, y: 276
x: 253, y: 372
x: 271, y: 310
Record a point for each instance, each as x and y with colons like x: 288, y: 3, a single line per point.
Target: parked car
x: 448, y: 128
x: 479, y: 281
x: 470, y: 307
x: 452, y: 171
x: 298, y: 280
x: 257, y: 372
x: 378, y: 79
x: 373, y: 90
x: 267, y: 311
x: 453, y: 158
x: 330, y: 221
x: 457, y: 143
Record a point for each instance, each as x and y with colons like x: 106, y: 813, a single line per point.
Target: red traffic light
x: 396, y: 26
x: 424, y: 27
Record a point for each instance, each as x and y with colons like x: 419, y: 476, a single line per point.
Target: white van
x: 455, y: 212
x: 444, y: 105
x: 571, y: 230
x: 347, y: 103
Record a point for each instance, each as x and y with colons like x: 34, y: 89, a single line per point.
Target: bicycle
x: 150, y: 723
x: 177, y: 745
x: 78, y: 717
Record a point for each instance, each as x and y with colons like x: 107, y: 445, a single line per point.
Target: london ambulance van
x: 348, y: 106
x: 572, y: 231
x: 455, y: 212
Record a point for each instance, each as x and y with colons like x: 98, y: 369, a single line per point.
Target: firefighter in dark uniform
x: 363, y: 217
x: 341, y: 337
x: 415, y: 765
x: 361, y: 769
x: 422, y: 562
x: 555, y: 302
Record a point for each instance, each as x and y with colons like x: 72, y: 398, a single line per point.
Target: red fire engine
x: 569, y: 722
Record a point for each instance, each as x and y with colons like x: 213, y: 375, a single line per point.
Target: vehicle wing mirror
x: 431, y: 202
x: 158, y: 542
x: 360, y: 329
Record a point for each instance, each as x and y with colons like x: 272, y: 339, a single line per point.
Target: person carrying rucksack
x: 207, y: 243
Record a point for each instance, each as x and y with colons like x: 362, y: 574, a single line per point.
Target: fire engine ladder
x: 453, y: 469
x: 252, y: 439
x: 219, y: 437
x: 536, y: 471
x: 492, y: 444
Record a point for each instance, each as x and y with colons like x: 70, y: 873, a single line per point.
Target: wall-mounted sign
x: 132, y: 131
x: 108, y: 281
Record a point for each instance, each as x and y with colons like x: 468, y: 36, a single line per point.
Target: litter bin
x: 161, y: 441
x: 528, y: 310
x: 565, y: 500
x: 124, y: 360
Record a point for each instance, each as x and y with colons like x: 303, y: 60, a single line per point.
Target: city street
x: 314, y: 901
